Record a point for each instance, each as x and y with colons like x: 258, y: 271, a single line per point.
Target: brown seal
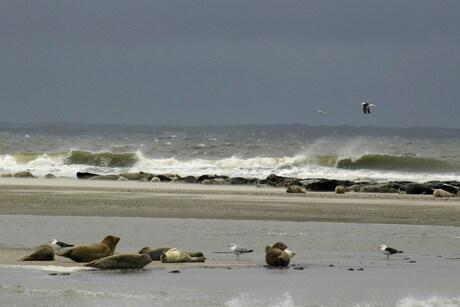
x: 87, y: 253
x: 175, y: 255
x: 154, y: 253
x: 277, y: 256
x: 121, y: 262
x: 41, y: 253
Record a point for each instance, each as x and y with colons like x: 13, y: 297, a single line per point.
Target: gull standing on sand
x: 58, y: 244
x: 389, y: 250
x: 367, y: 107
x: 238, y: 250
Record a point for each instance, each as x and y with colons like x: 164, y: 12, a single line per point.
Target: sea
x: 357, y: 154
x: 337, y: 264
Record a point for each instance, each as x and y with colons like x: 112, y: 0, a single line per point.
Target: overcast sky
x: 230, y: 62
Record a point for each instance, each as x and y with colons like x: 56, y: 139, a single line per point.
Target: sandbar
x: 73, y: 197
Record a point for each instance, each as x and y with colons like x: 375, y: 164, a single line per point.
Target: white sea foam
x: 49, y: 268
x: 246, y: 299
x: 76, y: 293
x: 429, y: 302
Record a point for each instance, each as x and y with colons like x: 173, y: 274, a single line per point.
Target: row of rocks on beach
x: 292, y: 185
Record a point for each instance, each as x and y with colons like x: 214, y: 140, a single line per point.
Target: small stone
x: 174, y: 271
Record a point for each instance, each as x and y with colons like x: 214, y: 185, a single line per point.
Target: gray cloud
x: 230, y: 62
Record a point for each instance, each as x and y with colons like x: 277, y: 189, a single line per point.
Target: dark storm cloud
x: 230, y: 62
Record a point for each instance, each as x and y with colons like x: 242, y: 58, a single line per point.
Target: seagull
x: 367, y: 107
x: 58, y: 244
x: 389, y: 250
x: 321, y: 112
x: 239, y: 250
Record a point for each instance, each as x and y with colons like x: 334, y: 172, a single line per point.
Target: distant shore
x: 74, y: 197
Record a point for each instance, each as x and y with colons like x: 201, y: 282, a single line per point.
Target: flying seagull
x: 238, y: 250
x: 389, y: 250
x: 58, y: 244
x: 367, y: 107
x: 321, y: 112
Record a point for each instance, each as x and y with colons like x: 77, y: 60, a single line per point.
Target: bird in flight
x: 238, y: 250
x: 367, y: 107
x: 389, y: 250
x: 321, y: 112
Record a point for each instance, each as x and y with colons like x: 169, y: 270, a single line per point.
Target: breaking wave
x: 378, y: 166
x: 107, y: 159
x: 402, y: 163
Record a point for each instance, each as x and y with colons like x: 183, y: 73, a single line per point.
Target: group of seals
x: 101, y: 255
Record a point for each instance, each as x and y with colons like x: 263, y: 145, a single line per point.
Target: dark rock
x: 441, y: 185
x: 163, y: 178
x: 415, y: 188
x: 275, y: 178
x: 326, y: 185
x: 187, y: 179
x: 239, y: 180
x: 85, y: 175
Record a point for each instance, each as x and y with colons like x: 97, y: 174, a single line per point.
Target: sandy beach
x: 67, y: 197
x: 138, y: 199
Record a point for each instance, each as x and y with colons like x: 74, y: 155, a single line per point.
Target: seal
x: 277, y: 256
x: 88, y: 253
x: 291, y: 253
x: 136, y: 176
x: 121, y: 262
x: 41, y: 253
x: 154, y: 253
x: 175, y: 255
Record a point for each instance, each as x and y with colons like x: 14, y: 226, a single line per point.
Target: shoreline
x: 37, y: 196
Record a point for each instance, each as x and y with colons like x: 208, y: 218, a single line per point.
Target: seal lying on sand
x: 277, y: 256
x: 41, y: 253
x: 179, y: 255
x: 290, y: 253
x: 154, y: 253
x: 87, y: 253
x: 121, y: 262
